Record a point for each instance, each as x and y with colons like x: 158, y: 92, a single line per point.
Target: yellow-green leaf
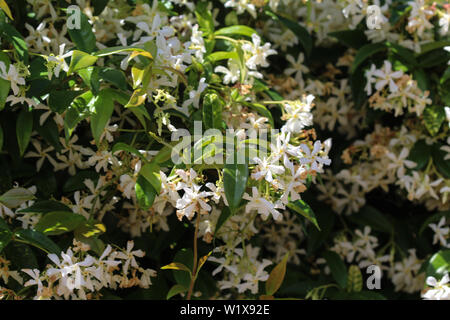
x: 276, y: 277
x: 5, y: 8
x: 177, y: 266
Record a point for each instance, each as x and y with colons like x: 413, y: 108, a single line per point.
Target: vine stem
x: 194, y: 270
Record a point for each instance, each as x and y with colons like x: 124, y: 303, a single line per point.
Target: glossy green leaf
x: 420, y: 154
x: 300, y: 32
x: 81, y: 60
x: 103, y: 107
x: 337, y: 267
x: 235, y: 177
x: 83, y: 37
x: 59, y: 222
x: 442, y: 165
x: 236, y: 30
x: 37, y: 239
x: 145, y: 193
x: 24, y: 127
x: 301, y: 207
x: 365, y: 53
x: 45, y: 206
x: 439, y: 264
x: 212, y: 111
x: 15, y: 197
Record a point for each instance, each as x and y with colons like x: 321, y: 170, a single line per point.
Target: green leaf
x: 443, y: 166
x: 301, y: 207
x: 4, y: 7
x: 5, y: 234
x: 366, y: 52
x: 24, y: 127
x: 115, y: 77
x: 184, y: 259
x: 15, y: 38
x: 99, y: 6
x: 103, y: 107
x: 204, y: 18
x: 351, y: 38
x: 120, y: 146
x: 404, y: 55
x: 21, y: 256
x: 37, y: 239
x: 88, y: 233
x: 276, y: 276
x: 420, y: 154
x: 369, y: 216
x: 262, y: 110
x: 236, y: 30
x: 212, y: 111
x: 59, y: 101
x: 354, y: 279
x: 15, y: 197
x: 5, y: 85
x: 83, y: 37
x: 176, y: 289
x: 222, y: 55
x: 115, y: 50
x: 59, y: 222
x: 81, y: 60
x: 337, y: 267
x: 235, y: 177
x: 150, y: 172
x: 224, y: 216
x: 78, y: 110
x: 300, y: 32
x: 434, y: 45
x: 145, y: 193
x: 439, y: 264
x: 46, y: 206
x: 176, y: 266
x: 433, y: 117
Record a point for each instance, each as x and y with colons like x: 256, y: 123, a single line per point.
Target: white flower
x: 192, y: 201
x: 297, y: 67
x: 12, y: 76
x: 194, y: 95
x: 312, y: 158
x: 440, y: 291
x: 231, y: 75
x: 129, y: 257
x: 261, y: 205
x: 298, y: 114
x: 266, y: 170
x: 56, y: 63
x: 400, y: 162
x: 386, y: 76
x: 258, y: 53
x: 241, y: 6
x: 440, y: 232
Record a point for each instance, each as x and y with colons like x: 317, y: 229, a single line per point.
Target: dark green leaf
x: 38, y: 240
x: 83, y: 37
x: 59, y: 222
x: 337, y: 267
x: 24, y: 127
